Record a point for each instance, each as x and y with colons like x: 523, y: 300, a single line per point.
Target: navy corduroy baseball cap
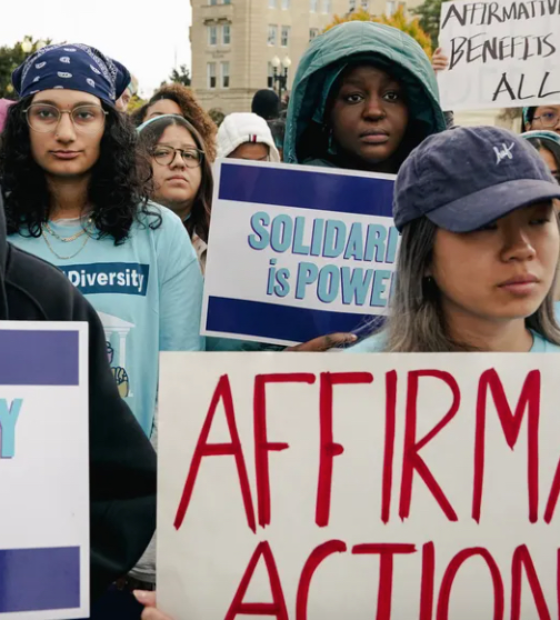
x: 465, y: 178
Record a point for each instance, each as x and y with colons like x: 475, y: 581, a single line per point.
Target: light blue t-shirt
x: 147, y: 292
x: 376, y: 344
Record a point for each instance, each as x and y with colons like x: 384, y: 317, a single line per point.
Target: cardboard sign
x: 44, y: 471
x: 388, y: 486
x: 502, y: 54
x: 297, y: 252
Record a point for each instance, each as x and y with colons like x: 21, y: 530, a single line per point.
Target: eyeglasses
x: 548, y: 119
x: 165, y: 155
x: 45, y: 118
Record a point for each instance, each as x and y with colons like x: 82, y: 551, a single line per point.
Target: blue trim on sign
x: 307, y: 189
x: 39, y: 579
x: 34, y: 357
x: 259, y: 319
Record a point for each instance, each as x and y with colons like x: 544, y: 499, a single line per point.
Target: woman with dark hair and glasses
x: 545, y: 117
x: 76, y: 197
x: 547, y: 144
x: 180, y: 100
x: 181, y: 172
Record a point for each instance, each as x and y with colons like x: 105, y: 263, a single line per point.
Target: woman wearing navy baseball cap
x: 479, y: 249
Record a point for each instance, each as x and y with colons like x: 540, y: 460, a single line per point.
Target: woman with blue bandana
x: 76, y: 198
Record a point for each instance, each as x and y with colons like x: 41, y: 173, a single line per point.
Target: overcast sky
x: 148, y: 42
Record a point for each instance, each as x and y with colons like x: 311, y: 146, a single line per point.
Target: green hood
x: 329, y: 54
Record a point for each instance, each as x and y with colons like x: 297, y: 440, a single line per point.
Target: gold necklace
x: 65, y: 257
x: 84, y: 230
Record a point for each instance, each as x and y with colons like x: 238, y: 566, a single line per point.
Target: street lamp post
x: 280, y: 78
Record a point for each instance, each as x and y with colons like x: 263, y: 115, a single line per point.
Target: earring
x: 429, y: 286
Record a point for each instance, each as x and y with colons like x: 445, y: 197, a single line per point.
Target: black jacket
x: 122, y: 462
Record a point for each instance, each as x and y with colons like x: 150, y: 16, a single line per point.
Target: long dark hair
x: 199, y: 221
x: 118, y: 191
x: 528, y: 118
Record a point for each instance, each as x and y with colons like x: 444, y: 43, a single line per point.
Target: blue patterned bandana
x: 71, y: 67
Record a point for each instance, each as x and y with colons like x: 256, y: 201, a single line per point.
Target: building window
x: 226, y: 34
x: 212, y: 35
x: 285, y: 39
x: 270, y: 73
x: 327, y: 6
x: 313, y: 32
x: 225, y: 74
x: 211, y: 69
x: 365, y: 5
x: 272, y: 35
x: 285, y: 5
x: 313, y: 5
x: 213, y: 2
x: 390, y: 7
x: 272, y: 4
x: 227, y: 1
x: 351, y: 5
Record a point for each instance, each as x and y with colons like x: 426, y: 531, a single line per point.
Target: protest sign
x: 297, y: 252
x: 502, y: 54
x: 44, y: 471
x: 392, y: 486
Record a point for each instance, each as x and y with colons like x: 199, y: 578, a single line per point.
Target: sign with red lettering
x: 316, y: 487
x: 502, y: 54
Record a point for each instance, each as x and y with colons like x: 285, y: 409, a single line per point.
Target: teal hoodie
x: 328, y: 55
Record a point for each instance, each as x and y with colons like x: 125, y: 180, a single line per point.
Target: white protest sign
x: 44, y: 471
x: 297, y: 252
x: 502, y: 54
x: 388, y: 486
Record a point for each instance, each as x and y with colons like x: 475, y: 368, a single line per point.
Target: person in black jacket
x: 122, y: 462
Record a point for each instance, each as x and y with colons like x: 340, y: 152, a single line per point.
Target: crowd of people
x: 121, y: 204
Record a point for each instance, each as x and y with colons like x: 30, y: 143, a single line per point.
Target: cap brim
x: 487, y: 205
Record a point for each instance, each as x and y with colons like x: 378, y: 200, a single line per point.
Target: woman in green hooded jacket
x: 365, y: 95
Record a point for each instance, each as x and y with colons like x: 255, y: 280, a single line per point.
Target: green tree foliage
x: 181, y: 76
x: 398, y: 20
x: 11, y: 58
x: 135, y: 103
x: 217, y: 116
x: 428, y: 15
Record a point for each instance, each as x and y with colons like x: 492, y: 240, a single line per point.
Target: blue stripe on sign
x: 39, y: 579
x: 306, y: 189
x: 32, y: 357
x: 265, y: 320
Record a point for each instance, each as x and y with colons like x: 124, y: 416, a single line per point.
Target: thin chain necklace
x: 65, y: 257
x: 84, y: 230
x: 67, y: 239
